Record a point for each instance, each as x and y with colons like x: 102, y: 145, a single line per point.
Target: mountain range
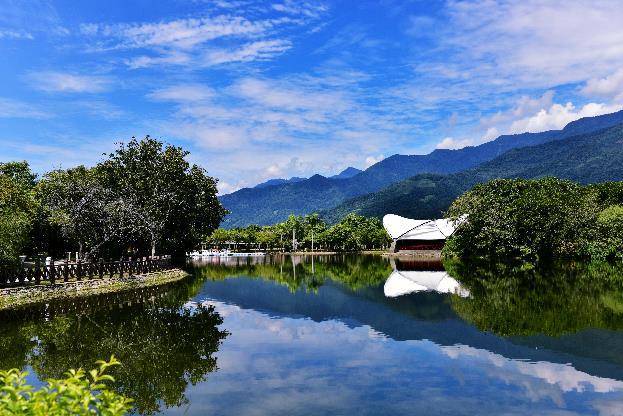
x: 587, y: 158
x: 349, y: 172
x: 395, y: 183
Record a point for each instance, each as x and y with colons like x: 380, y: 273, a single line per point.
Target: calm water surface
x: 345, y: 335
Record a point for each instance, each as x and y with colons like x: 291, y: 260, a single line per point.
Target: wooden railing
x: 65, y: 272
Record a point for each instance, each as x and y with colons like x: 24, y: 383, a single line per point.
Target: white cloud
x: 180, y: 33
x: 255, y: 51
x: 183, y: 93
x: 14, y: 34
x: 300, y: 8
x: 17, y: 109
x: 227, y: 188
x: 557, y: 116
x: 203, y: 41
x: 608, y: 87
x: 50, y: 81
x: 525, y: 106
x: 452, y: 143
x: 169, y: 58
x: 537, y: 43
x: 371, y: 160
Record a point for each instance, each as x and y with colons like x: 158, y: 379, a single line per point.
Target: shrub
x: 79, y: 393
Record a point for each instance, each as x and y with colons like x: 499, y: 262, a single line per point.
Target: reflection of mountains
x: 420, y: 276
x: 423, y: 315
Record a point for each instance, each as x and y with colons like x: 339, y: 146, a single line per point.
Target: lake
x: 345, y: 335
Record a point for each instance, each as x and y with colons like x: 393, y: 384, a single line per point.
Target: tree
x: 20, y: 172
x: 524, y: 218
x: 17, y: 210
x: 175, y: 203
x: 78, y: 203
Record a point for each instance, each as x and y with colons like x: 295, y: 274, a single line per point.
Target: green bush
x: 608, y: 241
x: 79, y: 393
x: 538, y: 219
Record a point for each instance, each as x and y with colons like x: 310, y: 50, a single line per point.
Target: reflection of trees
x: 523, y: 299
x: 163, y: 347
x: 298, y: 272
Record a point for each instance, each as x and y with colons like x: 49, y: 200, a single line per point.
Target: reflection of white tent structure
x: 404, y: 282
x: 411, y: 234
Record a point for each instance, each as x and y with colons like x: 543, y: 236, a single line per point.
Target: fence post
x: 66, y: 271
x: 52, y: 272
x: 79, y: 270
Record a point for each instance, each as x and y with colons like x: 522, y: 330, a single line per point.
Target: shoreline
x: 13, y: 297
x: 326, y: 253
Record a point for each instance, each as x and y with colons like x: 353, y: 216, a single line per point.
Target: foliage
x: 143, y: 195
x: 77, y: 393
x: 523, y: 218
x: 77, y: 202
x: 608, y: 242
x: 20, y: 173
x: 173, y: 202
x: 353, y: 233
x: 533, y: 219
x: 17, y: 212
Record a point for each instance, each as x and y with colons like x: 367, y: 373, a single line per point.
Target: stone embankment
x: 17, y: 296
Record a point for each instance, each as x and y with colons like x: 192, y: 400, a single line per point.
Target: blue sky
x: 259, y: 89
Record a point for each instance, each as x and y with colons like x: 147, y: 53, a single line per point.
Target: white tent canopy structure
x: 417, y: 234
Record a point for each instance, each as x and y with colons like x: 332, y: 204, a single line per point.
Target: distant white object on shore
x: 407, y: 229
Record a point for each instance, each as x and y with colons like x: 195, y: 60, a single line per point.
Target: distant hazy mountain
x: 587, y: 158
x: 349, y: 172
x: 271, y: 204
x: 273, y: 182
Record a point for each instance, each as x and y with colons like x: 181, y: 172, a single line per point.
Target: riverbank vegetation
x: 352, y: 233
x: 538, y: 219
x: 142, y: 198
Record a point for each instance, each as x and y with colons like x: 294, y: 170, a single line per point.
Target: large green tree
x: 174, y: 203
x: 524, y: 218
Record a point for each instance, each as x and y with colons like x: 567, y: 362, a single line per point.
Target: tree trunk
x: 153, y: 248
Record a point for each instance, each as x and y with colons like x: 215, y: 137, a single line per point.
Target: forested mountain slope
x: 271, y: 204
x: 587, y: 158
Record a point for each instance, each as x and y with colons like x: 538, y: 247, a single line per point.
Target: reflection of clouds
x: 299, y: 366
x: 564, y: 376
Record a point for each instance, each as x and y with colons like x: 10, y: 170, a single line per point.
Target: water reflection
x: 553, y: 299
x: 319, y: 335
x: 163, y: 346
x: 420, y: 275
